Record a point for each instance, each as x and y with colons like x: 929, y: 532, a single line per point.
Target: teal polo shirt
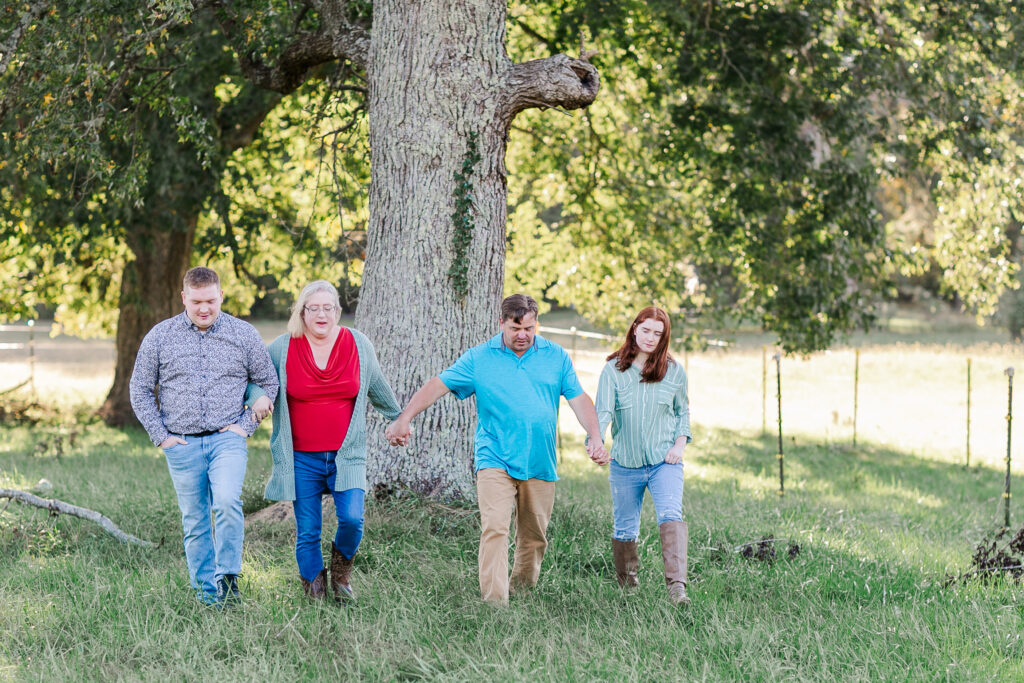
x: 516, y: 403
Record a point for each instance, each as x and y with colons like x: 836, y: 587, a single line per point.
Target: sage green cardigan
x: 351, y: 459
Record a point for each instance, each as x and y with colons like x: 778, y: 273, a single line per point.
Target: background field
x: 879, y: 528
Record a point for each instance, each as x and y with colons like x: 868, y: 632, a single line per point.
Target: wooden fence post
x: 32, y: 357
x: 967, y: 463
x: 778, y: 384
x: 764, y: 391
x: 856, y: 382
x: 1009, y: 425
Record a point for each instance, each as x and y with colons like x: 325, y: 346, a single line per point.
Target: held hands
x: 597, y: 452
x: 675, y: 455
x: 398, y: 432
x: 262, y: 407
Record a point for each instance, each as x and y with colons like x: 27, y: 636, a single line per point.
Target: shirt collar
x: 187, y: 322
x: 497, y: 342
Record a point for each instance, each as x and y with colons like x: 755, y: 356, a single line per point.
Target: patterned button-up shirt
x: 646, y: 417
x: 186, y: 381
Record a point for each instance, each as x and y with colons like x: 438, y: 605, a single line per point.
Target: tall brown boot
x: 341, y: 572
x: 673, y: 552
x: 317, y: 588
x: 626, y: 562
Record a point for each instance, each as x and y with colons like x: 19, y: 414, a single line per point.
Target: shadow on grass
x: 875, y: 477
x: 870, y: 563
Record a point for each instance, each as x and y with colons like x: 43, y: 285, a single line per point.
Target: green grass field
x: 879, y: 529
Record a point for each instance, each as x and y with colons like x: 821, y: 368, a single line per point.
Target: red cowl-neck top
x: 320, y: 401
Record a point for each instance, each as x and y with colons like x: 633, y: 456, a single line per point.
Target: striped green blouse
x: 646, y: 417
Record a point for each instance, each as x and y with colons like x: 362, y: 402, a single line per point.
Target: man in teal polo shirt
x: 517, y: 378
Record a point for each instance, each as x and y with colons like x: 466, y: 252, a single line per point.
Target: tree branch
x: 558, y: 81
x: 54, y: 505
x: 238, y: 132
x: 306, y: 51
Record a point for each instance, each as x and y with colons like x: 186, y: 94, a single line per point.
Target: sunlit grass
x: 862, y: 600
x: 880, y: 527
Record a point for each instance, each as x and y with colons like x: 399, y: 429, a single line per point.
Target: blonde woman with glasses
x: 327, y: 373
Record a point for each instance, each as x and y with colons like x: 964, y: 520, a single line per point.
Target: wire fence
x: 60, y: 368
x: 949, y: 402
x: 30, y: 345
x: 922, y: 400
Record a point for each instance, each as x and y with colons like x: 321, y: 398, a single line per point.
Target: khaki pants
x: 498, y: 495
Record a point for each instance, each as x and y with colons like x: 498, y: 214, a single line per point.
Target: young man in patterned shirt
x: 187, y: 390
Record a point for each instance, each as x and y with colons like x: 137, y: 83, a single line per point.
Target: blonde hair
x: 296, y: 327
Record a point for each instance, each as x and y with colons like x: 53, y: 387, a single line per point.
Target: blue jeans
x: 207, y: 473
x: 664, y: 481
x: 315, y: 472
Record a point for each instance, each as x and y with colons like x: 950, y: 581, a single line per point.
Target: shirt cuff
x: 159, y: 438
x: 247, y: 422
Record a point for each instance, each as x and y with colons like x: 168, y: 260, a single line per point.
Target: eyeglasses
x: 326, y: 308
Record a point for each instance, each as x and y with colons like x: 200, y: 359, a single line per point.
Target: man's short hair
x: 516, y: 306
x: 199, y: 277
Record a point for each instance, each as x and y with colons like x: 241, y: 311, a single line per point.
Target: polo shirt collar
x: 497, y: 342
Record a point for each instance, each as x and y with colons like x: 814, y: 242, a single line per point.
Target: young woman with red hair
x: 642, y: 393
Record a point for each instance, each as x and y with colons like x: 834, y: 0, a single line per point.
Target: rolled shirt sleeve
x: 681, y: 404
x: 605, y: 402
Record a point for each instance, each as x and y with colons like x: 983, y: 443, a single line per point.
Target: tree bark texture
x: 150, y: 292
x: 437, y: 74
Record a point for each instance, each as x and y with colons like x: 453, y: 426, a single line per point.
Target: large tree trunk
x: 150, y: 292
x: 438, y: 73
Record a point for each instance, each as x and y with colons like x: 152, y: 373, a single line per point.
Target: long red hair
x: 657, y: 362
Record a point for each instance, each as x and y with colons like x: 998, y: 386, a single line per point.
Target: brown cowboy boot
x: 626, y: 562
x: 317, y: 588
x: 673, y: 552
x: 341, y: 572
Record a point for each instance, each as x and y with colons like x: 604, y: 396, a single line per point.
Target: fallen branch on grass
x: 59, y: 506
